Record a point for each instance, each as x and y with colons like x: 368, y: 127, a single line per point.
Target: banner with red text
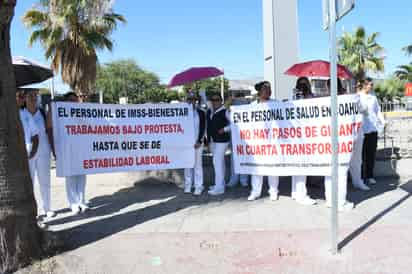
x: 98, y: 138
x: 293, y: 138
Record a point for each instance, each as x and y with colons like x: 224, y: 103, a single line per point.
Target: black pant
x: 370, y: 143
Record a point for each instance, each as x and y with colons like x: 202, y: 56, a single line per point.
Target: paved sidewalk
x: 150, y: 226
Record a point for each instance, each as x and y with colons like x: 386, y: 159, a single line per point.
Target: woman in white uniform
x: 264, y: 92
x: 218, y: 136
x: 196, y: 174
x: 373, y: 122
x: 30, y: 131
x: 40, y: 165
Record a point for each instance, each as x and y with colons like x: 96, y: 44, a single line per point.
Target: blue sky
x: 166, y: 37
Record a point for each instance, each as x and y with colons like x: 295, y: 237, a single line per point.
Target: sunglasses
x: 215, y: 99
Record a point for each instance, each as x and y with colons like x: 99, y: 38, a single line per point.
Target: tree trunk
x: 19, y: 233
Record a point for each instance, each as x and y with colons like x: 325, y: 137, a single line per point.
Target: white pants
x: 195, y: 173
x: 40, y: 173
x: 299, y: 190
x: 218, y: 150
x: 342, y: 184
x: 234, y: 177
x: 75, y: 189
x: 355, y: 163
x: 257, y: 182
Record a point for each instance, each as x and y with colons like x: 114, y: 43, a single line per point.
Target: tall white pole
x: 334, y: 136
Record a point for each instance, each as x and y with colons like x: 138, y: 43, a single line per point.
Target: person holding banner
x: 196, y: 173
x: 356, y: 159
x: 76, y: 185
x: 237, y: 178
x: 264, y: 93
x: 218, y: 138
x: 299, y: 191
x: 40, y: 165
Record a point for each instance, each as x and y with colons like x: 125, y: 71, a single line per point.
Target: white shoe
x: 212, y: 187
x: 188, y: 190
x: 360, y: 185
x: 42, y: 225
x: 253, y: 196
x: 273, y: 196
x: 371, y: 181
x: 216, y: 191
x: 75, y: 209
x: 306, y: 201
x: 51, y: 214
x: 198, y: 191
x: 347, y: 206
x: 84, y: 207
x: 293, y: 195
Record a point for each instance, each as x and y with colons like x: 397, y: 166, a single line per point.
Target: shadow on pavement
x: 407, y: 187
x: 143, y: 191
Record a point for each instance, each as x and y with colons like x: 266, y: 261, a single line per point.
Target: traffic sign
x: 343, y: 7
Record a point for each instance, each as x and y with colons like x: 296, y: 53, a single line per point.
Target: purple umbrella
x: 29, y: 72
x: 194, y: 74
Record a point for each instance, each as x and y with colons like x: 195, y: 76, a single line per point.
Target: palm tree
x: 408, y: 50
x: 390, y: 89
x: 71, y: 31
x: 19, y: 234
x: 360, y: 53
x: 404, y: 72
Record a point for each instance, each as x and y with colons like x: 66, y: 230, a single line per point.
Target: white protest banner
x: 292, y: 138
x: 98, y: 138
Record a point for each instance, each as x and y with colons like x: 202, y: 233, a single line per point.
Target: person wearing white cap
x: 40, y: 165
x: 196, y: 174
x: 264, y: 92
x: 218, y: 136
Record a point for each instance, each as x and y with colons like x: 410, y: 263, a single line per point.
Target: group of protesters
x: 38, y: 139
x: 212, y: 129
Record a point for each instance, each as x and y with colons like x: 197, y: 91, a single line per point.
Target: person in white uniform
x: 373, y: 122
x: 196, y: 174
x: 30, y: 130
x: 264, y: 93
x: 76, y: 185
x: 299, y: 191
x: 218, y: 137
x: 40, y: 165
